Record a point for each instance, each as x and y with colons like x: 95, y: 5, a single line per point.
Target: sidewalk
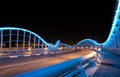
x: 110, y: 66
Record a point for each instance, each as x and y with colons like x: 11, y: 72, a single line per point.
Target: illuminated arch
x: 87, y: 43
x: 113, y: 40
x: 36, y: 36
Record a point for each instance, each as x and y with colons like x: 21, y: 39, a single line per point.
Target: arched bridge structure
x: 113, y: 40
x: 88, y: 44
x: 20, y: 41
x: 101, y: 59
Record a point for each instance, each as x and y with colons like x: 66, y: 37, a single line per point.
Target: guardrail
x: 62, y: 69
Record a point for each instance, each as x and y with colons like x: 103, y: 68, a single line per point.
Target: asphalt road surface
x: 12, y: 67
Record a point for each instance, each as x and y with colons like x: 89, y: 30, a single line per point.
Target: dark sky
x: 92, y: 20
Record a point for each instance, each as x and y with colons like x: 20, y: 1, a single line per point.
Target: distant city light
x: 29, y: 49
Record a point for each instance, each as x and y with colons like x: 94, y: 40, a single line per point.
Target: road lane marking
x: 13, y: 56
x: 23, y: 63
x: 26, y: 55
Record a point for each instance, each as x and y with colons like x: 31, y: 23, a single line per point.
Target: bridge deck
x: 12, y: 67
x: 110, y: 66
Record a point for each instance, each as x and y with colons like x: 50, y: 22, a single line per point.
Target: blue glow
x: 114, y: 22
x: 14, y: 28
x: 54, y: 70
x: 87, y: 41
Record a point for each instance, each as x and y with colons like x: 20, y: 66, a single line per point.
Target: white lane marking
x: 13, y: 56
x: 37, y: 54
x: 23, y: 63
x: 26, y: 55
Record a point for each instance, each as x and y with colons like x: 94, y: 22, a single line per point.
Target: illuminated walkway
x: 110, y: 66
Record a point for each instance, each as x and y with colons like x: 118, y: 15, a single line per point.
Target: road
x: 12, y: 67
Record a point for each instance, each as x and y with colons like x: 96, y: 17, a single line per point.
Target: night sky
x: 92, y: 20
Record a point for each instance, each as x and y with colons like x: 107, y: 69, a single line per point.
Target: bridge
x: 24, y: 53
x: 21, y: 42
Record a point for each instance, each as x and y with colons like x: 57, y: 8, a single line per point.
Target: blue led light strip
x: 114, y: 21
x: 93, y: 41
x: 14, y: 28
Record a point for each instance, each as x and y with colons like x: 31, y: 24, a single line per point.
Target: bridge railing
x: 18, y: 41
